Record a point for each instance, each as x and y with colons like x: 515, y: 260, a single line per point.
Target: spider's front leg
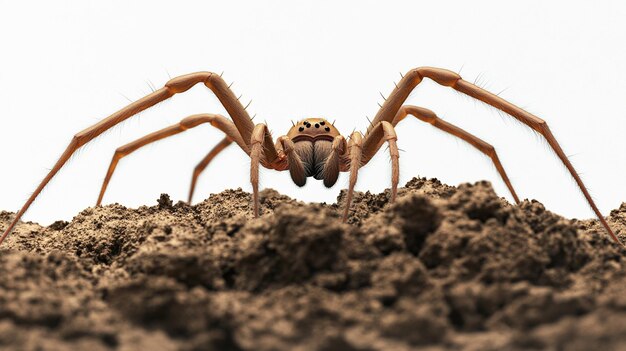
x: 356, y: 154
x: 377, y: 136
x: 192, y: 121
x: 428, y: 116
x: 444, y: 77
x: 174, y: 86
x: 262, y: 152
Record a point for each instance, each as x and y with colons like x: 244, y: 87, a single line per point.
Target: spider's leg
x: 382, y: 132
x: 355, y: 151
x: 391, y: 138
x: 174, y: 86
x: 430, y: 117
x: 217, y: 121
x: 205, y: 162
x: 448, y: 78
x: 262, y: 151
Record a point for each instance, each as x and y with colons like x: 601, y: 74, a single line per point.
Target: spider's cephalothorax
x: 313, y: 139
x: 312, y: 147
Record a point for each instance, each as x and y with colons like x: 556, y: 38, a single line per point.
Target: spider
x: 312, y: 147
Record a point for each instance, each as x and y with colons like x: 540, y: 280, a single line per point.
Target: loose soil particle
x: 444, y: 268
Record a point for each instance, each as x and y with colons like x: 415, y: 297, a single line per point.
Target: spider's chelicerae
x: 313, y: 147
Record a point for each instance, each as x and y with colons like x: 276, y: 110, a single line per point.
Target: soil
x: 443, y: 268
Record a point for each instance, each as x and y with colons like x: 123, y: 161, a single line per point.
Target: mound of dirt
x: 444, y: 268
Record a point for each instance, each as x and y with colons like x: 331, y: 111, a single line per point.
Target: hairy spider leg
x: 219, y: 122
x: 174, y: 86
x: 262, y: 151
x: 219, y: 147
x: 430, y: 117
x: 355, y: 145
x: 444, y: 77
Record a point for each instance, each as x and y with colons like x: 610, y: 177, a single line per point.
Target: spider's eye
x: 317, y: 125
x: 327, y: 129
x: 308, y: 125
x: 301, y: 128
x: 322, y: 122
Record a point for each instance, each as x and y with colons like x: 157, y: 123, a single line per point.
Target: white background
x: 64, y: 65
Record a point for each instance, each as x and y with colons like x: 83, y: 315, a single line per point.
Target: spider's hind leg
x: 204, y: 163
x: 217, y: 121
x: 428, y: 116
x: 444, y: 77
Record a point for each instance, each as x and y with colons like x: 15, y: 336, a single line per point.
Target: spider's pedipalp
x: 295, y: 164
x: 332, y: 164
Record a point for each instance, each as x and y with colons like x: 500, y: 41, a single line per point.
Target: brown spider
x: 313, y: 147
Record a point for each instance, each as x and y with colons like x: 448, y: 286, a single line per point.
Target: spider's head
x: 313, y: 139
x: 313, y: 129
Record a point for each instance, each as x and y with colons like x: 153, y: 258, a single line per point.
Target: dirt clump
x: 443, y: 268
